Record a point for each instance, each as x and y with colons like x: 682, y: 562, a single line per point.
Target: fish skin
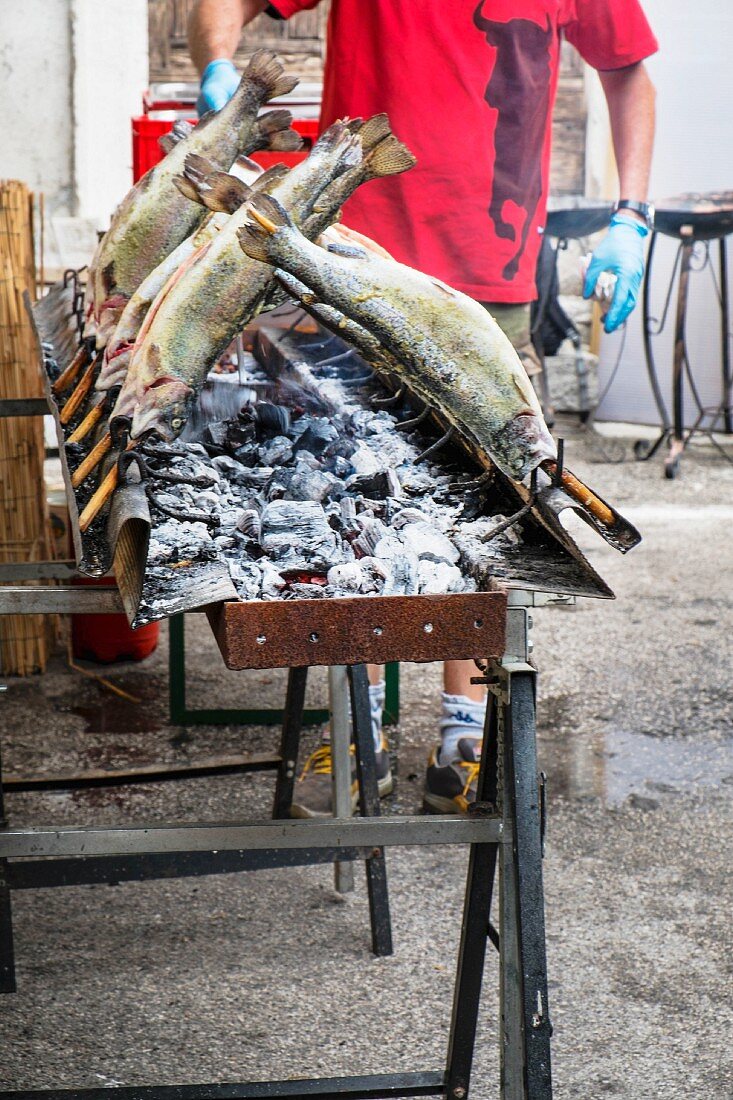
x: 446, y: 346
x: 154, y: 218
x: 204, y: 311
x: 118, y: 349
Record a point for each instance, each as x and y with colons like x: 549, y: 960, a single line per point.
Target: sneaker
x: 314, y: 790
x: 450, y: 788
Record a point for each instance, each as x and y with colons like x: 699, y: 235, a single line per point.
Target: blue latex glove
x: 622, y: 253
x: 219, y: 82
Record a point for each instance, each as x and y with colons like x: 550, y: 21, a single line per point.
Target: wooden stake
x: 68, y: 376
x: 95, y: 456
x: 106, y: 488
x: 90, y: 421
x: 575, y: 488
x: 77, y: 398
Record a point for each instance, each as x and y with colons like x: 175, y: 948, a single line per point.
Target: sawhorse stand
x: 503, y: 830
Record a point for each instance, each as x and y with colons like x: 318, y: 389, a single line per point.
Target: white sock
x: 462, y: 717
x: 377, y: 695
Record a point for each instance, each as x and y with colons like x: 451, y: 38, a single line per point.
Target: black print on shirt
x: 519, y: 90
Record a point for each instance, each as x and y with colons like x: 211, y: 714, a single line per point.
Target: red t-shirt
x: 469, y: 86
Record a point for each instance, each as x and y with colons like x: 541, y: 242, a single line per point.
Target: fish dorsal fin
x: 374, y: 130
x: 268, y: 179
x: 389, y: 157
x: 214, y: 189
x: 181, y: 130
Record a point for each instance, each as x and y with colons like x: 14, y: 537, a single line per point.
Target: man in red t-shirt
x: 469, y: 86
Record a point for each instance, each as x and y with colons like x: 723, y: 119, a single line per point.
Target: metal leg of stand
x: 290, y: 741
x: 338, y: 701
x: 474, y: 929
x: 677, y: 442
x: 724, y: 340
x: 526, y: 1027
x: 366, y: 772
x: 7, y: 950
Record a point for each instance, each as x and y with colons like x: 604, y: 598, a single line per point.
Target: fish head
x: 164, y: 407
x: 522, y: 444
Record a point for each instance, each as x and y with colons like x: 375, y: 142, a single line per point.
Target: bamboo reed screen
x: 24, y: 532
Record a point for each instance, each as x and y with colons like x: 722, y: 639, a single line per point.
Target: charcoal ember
x: 272, y: 582
x: 365, y: 461
x: 74, y: 453
x: 343, y: 447
x: 258, y: 477
x: 371, y: 532
x: 304, y: 460
x: 415, y: 481
x: 229, y: 467
x: 338, y: 466
x: 278, y: 451
x: 350, y: 577
x: 208, y: 501
x: 215, y: 434
x: 297, y: 534
x: 409, y: 515
x: 197, y: 449
x: 279, y: 482
x: 249, y: 524
x: 301, y: 590
x: 427, y: 542
x: 248, y: 455
x: 318, y: 435
x: 377, y: 486
x: 402, y: 567
x: 247, y: 578
x: 173, y: 541
x: 347, y: 507
x: 224, y: 542
x: 313, y: 485
x: 238, y: 435
x: 375, y: 573
x: 434, y: 578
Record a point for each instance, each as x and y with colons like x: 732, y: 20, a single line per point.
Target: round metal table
x: 695, y: 220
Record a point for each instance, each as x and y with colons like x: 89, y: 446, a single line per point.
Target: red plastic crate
x: 146, y: 152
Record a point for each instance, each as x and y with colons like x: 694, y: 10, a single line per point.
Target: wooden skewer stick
x: 78, y: 397
x: 95, y: 456
x: 580, y: 492
x: 90, y: 421
x: 102, y: 495
x: 67, y: 376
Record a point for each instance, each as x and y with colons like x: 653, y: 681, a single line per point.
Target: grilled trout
x: 154, y: 217
x: 119, y: 348
x: 447, y: 347
x: 220, y: 293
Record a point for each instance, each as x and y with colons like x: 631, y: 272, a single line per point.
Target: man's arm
x: 215, y: 26
x: 630, y: 96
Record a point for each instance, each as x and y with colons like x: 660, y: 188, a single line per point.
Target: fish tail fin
x: 340, y: 140
x: 256, y: 236
x: 268, y: 179
x: 212, y: 188
x: 273, y: 130
x: 389, y: 158
x: 374, y: 130
x: 266, y: 70
x: 285, y: 141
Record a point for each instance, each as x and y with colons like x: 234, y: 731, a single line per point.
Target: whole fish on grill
x: 447, y: 347
x: 119, y: 348
x: 221, y: 292
x: 154, y: 217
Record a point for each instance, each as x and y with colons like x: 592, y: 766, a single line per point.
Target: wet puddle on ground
x: 619, y: 765
x: 112, y: 713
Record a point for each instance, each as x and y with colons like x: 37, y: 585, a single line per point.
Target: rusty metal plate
x: 292, y: 633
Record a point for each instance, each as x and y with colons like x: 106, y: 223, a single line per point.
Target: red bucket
x: 109, y: 638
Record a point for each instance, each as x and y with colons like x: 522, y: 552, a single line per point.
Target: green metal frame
x: 180, y: 715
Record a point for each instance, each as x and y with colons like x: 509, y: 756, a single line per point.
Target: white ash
x: 316, y: 506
